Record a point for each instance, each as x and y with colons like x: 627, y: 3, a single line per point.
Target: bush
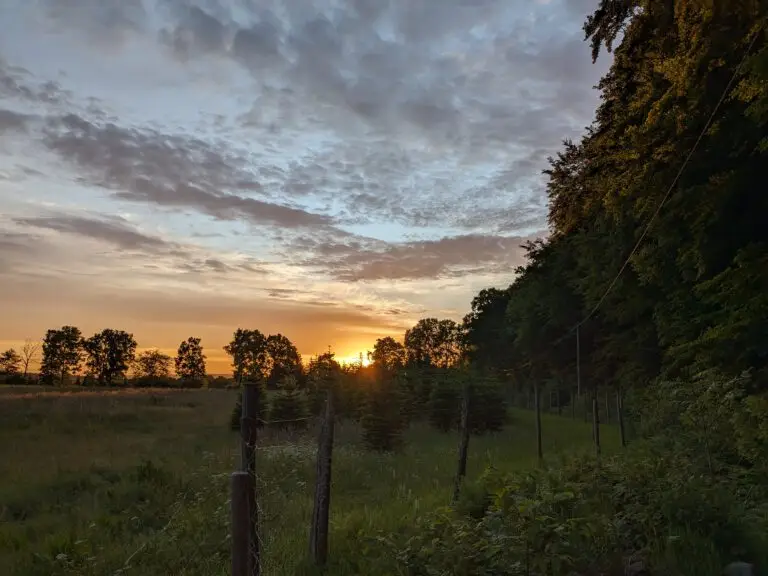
x: 13, y: 379
x: 580, y: 518
x: 154, y: 382
x: 687, y: 500
x: 219, y: 383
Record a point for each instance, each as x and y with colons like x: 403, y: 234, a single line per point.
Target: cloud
x: 10, y: 120
x: 425, y: 259
x: 115, y: 231
x: 17, y: 82
x: 327, y: 167
x: 103, y: 21
x: 196, y: 33
x: 174, y: 171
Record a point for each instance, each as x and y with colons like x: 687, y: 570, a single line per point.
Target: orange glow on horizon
x: 354, y: 359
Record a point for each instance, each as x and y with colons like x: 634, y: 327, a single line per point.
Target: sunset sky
x: 329, y: 170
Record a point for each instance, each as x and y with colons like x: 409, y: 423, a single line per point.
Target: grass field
x: 136, y: 482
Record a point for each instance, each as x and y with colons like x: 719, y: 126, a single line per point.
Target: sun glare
x: 355, y: 359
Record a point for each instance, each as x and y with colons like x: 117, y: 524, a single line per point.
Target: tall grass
x: 137, y: 483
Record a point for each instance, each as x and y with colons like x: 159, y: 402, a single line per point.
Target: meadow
x: 137, y: 482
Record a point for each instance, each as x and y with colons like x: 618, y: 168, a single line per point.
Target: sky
x: 331, y: 170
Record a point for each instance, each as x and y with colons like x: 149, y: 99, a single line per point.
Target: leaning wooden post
x: 241, y: 488
x: 318, y: 537
x: 248, y: 427
x: 461, y: 468
x: 539, y: 449
x: 620, y: 416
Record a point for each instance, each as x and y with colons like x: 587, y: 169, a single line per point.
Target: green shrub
x: 650, y: 505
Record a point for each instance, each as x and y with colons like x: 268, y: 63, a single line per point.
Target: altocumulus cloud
x: 324, y: 144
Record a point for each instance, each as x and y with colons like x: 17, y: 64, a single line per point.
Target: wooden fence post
x: 248, y: 427
x: 539, y: 449
x: 318, y: 537
x: 620, y: 417
x: 241, y: 488
x: 461, y: 468
x: 596, y: 423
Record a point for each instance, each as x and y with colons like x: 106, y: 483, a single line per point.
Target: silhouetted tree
x: 152, y: 368
x: 109, y: 353
x: 388, y: 354
x: 29, y: 352
x: 62, y: 354
x: 284, y: 361
x: 323, y: 375
x: 190, y: 360
x: 433, y: 342
x: 10, y: 362
x: 250, y: 358
x: 152, y: 364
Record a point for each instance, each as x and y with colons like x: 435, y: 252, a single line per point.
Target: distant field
x: 136, y: 482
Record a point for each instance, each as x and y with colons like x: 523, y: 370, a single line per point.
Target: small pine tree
x: 487, y: 406
x: 289, y: 407
x: 237, y: 411
x: 383, y: 423
x: 445, y: 405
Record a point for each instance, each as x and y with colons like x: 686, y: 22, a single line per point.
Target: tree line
x: 692, y: 300
x: 420, y: 378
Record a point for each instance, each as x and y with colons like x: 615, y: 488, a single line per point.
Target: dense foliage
x: 687, y: 500
x: 692, y: 298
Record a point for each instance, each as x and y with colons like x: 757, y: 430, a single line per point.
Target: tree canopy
x: 676, y: 157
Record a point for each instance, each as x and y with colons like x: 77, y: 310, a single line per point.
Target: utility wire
x: 675, y: 181
x: 664, y: 199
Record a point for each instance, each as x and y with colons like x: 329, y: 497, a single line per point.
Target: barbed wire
x: 268, y: 422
